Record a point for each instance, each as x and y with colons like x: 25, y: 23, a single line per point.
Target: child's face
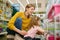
x: 39, y: 22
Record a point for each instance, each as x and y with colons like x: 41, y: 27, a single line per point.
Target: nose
x: 32, y: 10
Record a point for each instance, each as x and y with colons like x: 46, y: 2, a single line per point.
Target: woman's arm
x: 12, y: 21
x: 22, y: 32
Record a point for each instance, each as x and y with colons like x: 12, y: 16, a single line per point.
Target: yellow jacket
x: 25, y: 21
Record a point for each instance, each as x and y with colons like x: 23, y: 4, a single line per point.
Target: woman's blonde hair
x: 28, y: 6
x: 34, y: 20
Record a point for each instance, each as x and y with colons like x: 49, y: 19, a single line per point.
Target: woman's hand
x: 23, y: 32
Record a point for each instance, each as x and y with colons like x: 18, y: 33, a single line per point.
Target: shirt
x: 25, y: 21
x: 32, y: 32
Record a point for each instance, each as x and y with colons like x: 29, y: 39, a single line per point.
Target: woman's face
x: 30, y: 10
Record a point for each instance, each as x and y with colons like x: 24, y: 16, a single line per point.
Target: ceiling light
x: 21, y: 4
x: 27, y: 1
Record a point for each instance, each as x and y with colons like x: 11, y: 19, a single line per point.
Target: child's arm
x: 40, y: 30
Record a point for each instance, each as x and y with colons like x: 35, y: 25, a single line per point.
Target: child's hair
x: 34, y: 20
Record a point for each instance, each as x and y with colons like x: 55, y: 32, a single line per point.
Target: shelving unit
x: 6, y: 10
x: 5, y: 15
x: 5, y: 19
x: 53, y: 26
x: 3, y: 33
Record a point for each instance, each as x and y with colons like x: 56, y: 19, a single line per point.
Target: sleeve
x: 12, y: 21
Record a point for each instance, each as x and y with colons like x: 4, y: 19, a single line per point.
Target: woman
x: 26, y: 17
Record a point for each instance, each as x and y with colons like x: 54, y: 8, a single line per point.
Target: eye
x: 32, y: 9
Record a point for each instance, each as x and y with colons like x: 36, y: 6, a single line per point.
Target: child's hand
x: 46, y: 33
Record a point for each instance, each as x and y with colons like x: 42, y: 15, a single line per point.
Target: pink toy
x: 56, y: 9
x: 57, y: 36
x: 51, y: 37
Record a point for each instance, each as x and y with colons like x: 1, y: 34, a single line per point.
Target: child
x: 35, y: 27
